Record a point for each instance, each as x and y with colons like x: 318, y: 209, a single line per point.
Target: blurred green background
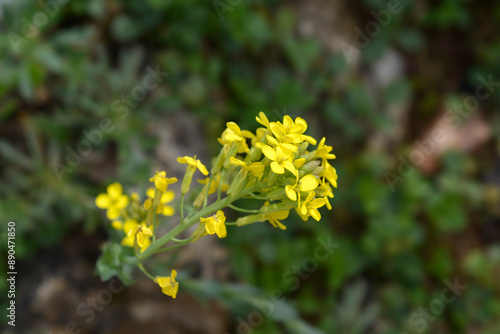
x: 378, y: 79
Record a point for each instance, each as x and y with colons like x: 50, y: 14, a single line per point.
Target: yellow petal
x: 262, y: 119
x: 280, y: 214
x: 288, y: 148
x: 168, y: 211
x: 182, y: 160
x: 161, y: 184
x: 167, y: 197
x: 290, y: 193
x: 236, y: 162
x: 114, y: 190
x: 277, y: 168
x: 146, y: 231
x: 308, y: 183
x: 117, y: 225
x: 173, y: 275
x: 102, y: 201
x: 210, y: 225
x: 129, y: 225
x: 315, y: 213
x: 122, y: 202
x: 299, y: 162
x: 162, y: 281
x: 113, y: 213
x: 148, y: 203
x: 290, y: 167
x: 269, y: 152
x: 150, y: 192
x: 221, y: 231
x: 318, y: 203
x: 201, y: 167
x: 233, y: 127
x: 232, y: 137
x: 128, y: 241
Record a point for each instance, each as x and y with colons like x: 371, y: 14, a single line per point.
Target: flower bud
x: 250, y: 219
x: 186, y: 181
x: 310, y: 166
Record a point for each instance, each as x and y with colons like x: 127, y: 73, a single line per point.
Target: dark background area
x: 406, y: 92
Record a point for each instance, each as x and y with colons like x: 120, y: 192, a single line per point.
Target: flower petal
x: 113, y: 213
x: 201, y: 167
x: 121, y: 202
x: 308, y: 183
x: 277, y: 168
x: 167, y: 197
x: 269, y: 152
x: 221, y: 231
x: 168, y: 211
x: 115, y: 190
x: 290, y: 193
x: 102, y: 201
x: 150, y: 192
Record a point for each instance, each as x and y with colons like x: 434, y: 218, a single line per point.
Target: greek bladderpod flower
x: 311, y: 205
x: 161, y: 180
x: 168, y: 284
x: 233, y: 134
x: 162, y: 208
x: 330, y: 174
x: 193, y: 164
x: 256, y: 168
x: 279, y: 160
x: 141, y: 233
x: 262, y: 119
x: 113, y: 200
x: 306, y: 184
x: 216, y: 224
x: 270, y: 213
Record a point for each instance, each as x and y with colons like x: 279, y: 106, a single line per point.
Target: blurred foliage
x: 396, y: 247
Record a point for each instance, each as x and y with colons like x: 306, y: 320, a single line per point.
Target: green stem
x: 182, y: 208
x: 182, y: 240
x: 145, y: 271
x: 218, y: 205
x: 205, y: 201
x: 242, y: 210
x: 154, y: 224
x: 230, y: 224
x: 262, y: 198
x: 219, y: 190
x: 171, y: 247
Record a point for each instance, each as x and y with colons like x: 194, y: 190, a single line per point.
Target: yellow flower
x: 215, y: 224
x: 323, y: 151
x: 330, y: 174
x: 114, y: 200
x: 256, y: 168
x: 233, y: 133
x: 275, y: 217
x: 324, y: 190
x: 168, y: 284
x: 306, y: 184
x: 279, y: 160
x: 166, y: 197
x: 262, y: 119
x: 141, y: 234
x: 311, y: 205
x: 193, y: 163
x: 292, y: 132
x: 162, y: 181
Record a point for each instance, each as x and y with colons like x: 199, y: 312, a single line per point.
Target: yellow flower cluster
x: 290, y: 175
x: 130, y: 217
x: 276, y: 165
